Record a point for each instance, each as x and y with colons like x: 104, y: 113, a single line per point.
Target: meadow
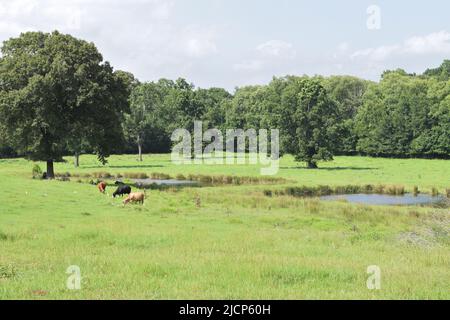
x: 225, y: 241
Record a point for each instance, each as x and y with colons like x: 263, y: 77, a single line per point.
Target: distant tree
x: 441, y: 73
x: 77, y: 145
x: 213, y: 102
x: 52, y: 85
x: 347, y: 92
x: 434, y: 138
x: 308, y: 120
x: 145, y: 119
x: 394, y: 113
x: 246, y: 109
x: 184, y: 108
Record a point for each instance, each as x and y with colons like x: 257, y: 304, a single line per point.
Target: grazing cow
x: 101, y: 187
x: 121, y: 190
x: 135, y: 197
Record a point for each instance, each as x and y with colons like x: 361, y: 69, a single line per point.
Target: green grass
x: 223, y: 242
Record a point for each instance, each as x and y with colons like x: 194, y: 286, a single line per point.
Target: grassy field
x: 223, y: 242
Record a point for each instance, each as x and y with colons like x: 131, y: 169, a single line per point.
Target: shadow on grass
x: 331, y: 169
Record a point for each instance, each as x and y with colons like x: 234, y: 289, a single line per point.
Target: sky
x: 230, y: 43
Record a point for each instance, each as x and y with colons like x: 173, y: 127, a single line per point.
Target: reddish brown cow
x: 101, y: 187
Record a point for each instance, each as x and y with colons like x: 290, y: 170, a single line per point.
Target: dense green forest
x: 402, y: 115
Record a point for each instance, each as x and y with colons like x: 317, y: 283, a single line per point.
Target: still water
x: 383, y: 199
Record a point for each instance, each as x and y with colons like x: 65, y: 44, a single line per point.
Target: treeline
x: 57, y: 97
x: 404, y: 115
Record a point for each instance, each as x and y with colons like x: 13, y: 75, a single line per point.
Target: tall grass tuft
x: 395, y: 190
x: 160, y: 176
x: 102, y: 175
x: 324, y: 190
x: 37, y: 172
x: 434, y: 192
x: 135, y: 175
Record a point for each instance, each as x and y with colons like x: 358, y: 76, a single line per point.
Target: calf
x: 121, y: 190
x: 135, y: 197
x: 101, y: 187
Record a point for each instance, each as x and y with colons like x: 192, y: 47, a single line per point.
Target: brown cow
x: 135, y: 197
x: 101, y: 187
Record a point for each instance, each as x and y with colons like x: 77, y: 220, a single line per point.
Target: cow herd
x: 123, y: 189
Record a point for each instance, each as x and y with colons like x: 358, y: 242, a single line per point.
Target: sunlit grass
x: 222, y: 242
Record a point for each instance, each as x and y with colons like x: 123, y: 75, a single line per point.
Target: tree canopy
x: 55, y: 89
x: 58, y: 97
x: 308, y: 121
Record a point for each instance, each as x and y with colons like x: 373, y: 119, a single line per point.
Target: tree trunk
x: 140, y: 151
x: 77, y: 160
x: 312, y: 164
x: 50, y: 170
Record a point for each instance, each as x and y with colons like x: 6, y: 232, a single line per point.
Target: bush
x: 37, y: 172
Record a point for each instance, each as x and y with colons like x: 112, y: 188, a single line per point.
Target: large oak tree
x: 56, y: 89
x: 308, y: 121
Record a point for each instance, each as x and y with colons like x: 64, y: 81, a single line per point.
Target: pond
x: 383, y: 199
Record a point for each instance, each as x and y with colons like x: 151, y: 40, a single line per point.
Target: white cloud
x: 433, y: 43
x: 198, y: 42
x: 252, y: 65
x: 144, y: 37
x: 267, y: 54
x: 438, y: 42
x: 276, y: 48
x: 15, y: 8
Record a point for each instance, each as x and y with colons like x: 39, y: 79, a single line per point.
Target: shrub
x: 37, y: 172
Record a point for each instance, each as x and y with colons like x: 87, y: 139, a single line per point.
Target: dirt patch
x: 39, y: 292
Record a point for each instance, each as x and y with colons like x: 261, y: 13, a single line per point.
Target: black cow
x: 121, y: 190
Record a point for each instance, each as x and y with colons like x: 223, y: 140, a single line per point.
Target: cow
x: 101, y: 187
x: 135, y: 197
x: 121, y: 190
